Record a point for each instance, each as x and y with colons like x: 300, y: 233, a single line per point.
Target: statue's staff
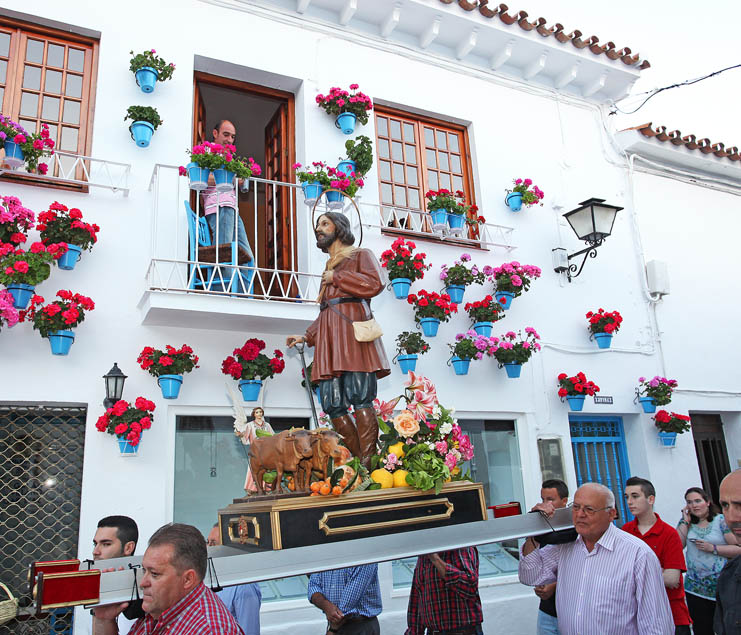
x: 314, y: 423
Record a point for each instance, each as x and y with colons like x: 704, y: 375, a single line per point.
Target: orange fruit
x: 343, y: 481
x: 315, y: 486
x: 336, y: 490
x: 325, y: 489
x: 314, y: 494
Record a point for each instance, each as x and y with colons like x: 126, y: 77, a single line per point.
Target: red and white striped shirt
x: 616, y: 589
x: 198, y: 613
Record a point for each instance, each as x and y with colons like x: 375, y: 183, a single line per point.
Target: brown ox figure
x: 325, y: 443
x: 282, y: 452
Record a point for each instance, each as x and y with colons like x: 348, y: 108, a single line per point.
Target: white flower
x: 431, y: 445
x: 446, y: 428
x: 437, y: 412
x: 456, y: 453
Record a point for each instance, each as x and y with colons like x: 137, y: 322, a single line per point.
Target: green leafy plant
x: 660, y: 389
x: 152, y: 60
x: 360, y: 150
x: 28, y: 267
x: 460, y: 274
x: 411, y: 343
x: 513, y: 348
x: 316, y: 174
x: 143, y: 113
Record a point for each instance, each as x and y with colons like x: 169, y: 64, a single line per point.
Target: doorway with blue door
x: 600, y: 456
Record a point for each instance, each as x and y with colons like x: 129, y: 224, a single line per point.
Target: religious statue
x: 347, y: 369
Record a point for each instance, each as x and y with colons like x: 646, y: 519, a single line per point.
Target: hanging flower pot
x: 514, y: 201
x: 250, y: 389
x: 312, y: 191
x: 347, y: 166
x: 439, y: 219
x: 401, y: 287
x: 197, y: 177
x: 576, y: 402
x: 146, y: 78
x: 335, y: 200
x: 126, y: 449
x: 670, y: 424
x: 408, y: 363
x: 483, y: 328
x: 456, y: 222
x: 667, y: 439
x: 170, y: 385
x: 429, y: 326
x: 127, y: 422
x: 141, y: 133
x: 513, y: 369
x: 224, y: 180
x: 61, y: 341
x: 145, y: 120
x: 575, y: 389
x: 346, y: 122
x: 460, y: 366
x: 21, y: 294
x: 603, y: 339
x: 455, y: 291
x: 648, y: 404
x: 14, y: 156
x: 522, y: 193
x: 505, y: 298
x: 70, y: 258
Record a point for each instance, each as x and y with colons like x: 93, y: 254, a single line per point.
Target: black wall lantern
x: 592, y: 222
x: 114, y: 384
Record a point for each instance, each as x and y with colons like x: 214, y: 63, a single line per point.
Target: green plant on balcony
x: 144, y: 113
x: 360, y: 150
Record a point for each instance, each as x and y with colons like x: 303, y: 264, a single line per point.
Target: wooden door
x: 199, y: 134
x: 712, y: 455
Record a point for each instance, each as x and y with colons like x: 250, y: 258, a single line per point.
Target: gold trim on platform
x: 386, y: 524
x: 243, y: 537
x: 275, y: 529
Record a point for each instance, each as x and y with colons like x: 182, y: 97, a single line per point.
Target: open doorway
x: 264, y: 121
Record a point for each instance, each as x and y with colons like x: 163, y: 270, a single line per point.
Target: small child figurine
x: 247, y: 433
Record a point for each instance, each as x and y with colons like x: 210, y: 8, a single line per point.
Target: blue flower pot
x: 197, y: 176
x: 335, y: 200
x: 483, y: 328
x: 61, y: 341
x: 603, y: 339
x: 514, y: 201
x: 224, y: 180
x: 170, y: 385
x: 347, y: 166
x: 346, y: 122
x: 648, y: 404
x: 455, y: 291
x: 250, y: 389
x: 141, y: 133
x: 667, y: 439
x: 456, y: 221
x: 513, y: 370
x: 14, y: 156
x: 312, y: 192
x: 146, y: 78
x: 460, y: 366
x: 576, y: 402
x: 408, y: 362
x: 401, y: 287
x: 70, y: 258
x: 504, y: 298
x: 21, y: 294
x: 439, y: 218
x: 126, y: 449
x: 429, y: 326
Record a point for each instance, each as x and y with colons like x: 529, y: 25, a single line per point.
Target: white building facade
x: 464, y: 95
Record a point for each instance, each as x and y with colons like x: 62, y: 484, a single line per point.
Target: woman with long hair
x: 710, y: 544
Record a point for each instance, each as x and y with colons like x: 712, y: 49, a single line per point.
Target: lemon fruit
x: 384, y: 477
x: 397, y: 449
x: 400, y: 478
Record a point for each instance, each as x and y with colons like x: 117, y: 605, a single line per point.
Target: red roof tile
x: 557, y: 31
x: 689, y: 141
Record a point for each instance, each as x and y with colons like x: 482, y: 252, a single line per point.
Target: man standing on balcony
x: 221, y: 209
x: 345, y: 368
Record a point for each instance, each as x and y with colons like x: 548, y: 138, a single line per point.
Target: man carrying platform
x: 346, y: 369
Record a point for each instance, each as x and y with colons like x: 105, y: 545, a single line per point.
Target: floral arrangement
x: 424, y: 442
x: 339, y: 101
x: 28, y: 267
x: 451, y: 202
x: 659, y: 389
x: 576, y: 385
x: 34, y: 145
x: 460, y: 274
x: 347, y: 183
x: 152, y: 60
x: 486, y: 310
x: 401, y: 262
x: 58, y: 315
x: 671, y: 422
x: 360, y: 150
x: 171, y: 361
x: 431, y: 305
x: 512, y: 348
x: 127, y: 422
x: 411, y: 343
x: 604, y: 322
x: 473, y: 220
x: 249, y: 363
x: 63, y: 225
x: 9, y: 129
x: 241, y: 167
x: 512, y: 276
x: 8, y: 313
x: 143, y: 113
x: 15, y: 221
x: 471, y: 345
x: 316, y: 174
x: 210, y: 156
x: 529, y: 196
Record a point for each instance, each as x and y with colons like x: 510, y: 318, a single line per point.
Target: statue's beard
x: 323, y: 241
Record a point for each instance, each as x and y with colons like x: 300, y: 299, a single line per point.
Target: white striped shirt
x: 617, y: 589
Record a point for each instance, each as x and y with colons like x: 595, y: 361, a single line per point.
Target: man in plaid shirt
x: 444, y: 599
x: 175, y: 599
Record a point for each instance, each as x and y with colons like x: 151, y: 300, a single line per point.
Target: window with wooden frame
x: 46, y: 76
x: 417, y: 154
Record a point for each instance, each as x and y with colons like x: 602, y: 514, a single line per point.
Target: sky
x: 682, y: 39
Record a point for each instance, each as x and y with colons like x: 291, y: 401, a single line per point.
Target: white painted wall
x: 515, y: 130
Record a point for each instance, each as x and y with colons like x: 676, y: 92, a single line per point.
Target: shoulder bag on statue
x: 366, y: 331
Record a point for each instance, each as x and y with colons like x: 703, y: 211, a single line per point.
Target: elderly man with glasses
x: 609, y: 582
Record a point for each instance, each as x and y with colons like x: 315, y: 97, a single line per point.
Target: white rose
x: 446, y: 428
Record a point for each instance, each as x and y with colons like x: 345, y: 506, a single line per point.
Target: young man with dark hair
x: 116, y: 537
x: 640, y: 495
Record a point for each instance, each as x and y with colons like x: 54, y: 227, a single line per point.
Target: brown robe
x: 337, y: 351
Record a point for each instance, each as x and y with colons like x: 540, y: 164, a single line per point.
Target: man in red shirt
x: 664, y: 540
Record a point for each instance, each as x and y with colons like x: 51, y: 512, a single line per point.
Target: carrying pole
x: 314, y: 423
